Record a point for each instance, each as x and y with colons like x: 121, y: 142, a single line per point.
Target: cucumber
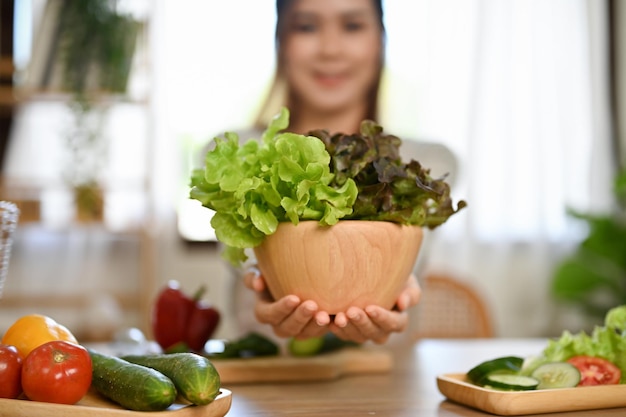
x: 556, y: 375
x: 194, y: 376
x: 305, y: 347
x: 317, y: 345
x: 251, y: 345
x: 332, y: 343
x: 511, y: 382
x: 531, y: 363
x: 503, y: 365
x: 132, y: 386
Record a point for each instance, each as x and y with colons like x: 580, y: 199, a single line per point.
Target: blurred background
x: 104, y: 114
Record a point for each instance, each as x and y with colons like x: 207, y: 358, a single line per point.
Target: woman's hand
x: 374, y: 322
x: 288, y: 316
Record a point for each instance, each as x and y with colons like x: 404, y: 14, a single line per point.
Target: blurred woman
x: 330, y: 57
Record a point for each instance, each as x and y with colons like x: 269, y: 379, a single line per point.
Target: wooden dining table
x: 409, y: 388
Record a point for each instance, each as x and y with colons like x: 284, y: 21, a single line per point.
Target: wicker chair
x: 449, y: 308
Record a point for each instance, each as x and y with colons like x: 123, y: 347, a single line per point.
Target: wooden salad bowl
x: 352, y: 263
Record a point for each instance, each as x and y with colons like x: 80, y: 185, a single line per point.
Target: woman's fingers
x: 316, y: 327
x: 357, y: 326
x: 288, y: 317
x: 388, y: 321
x: 353, y: 325
x: 274, y: 312
x: 253, y: 280
x: 374, y: 323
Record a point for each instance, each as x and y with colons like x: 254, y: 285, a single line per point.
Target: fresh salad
x: 572, y: 360
x: 287, y: 177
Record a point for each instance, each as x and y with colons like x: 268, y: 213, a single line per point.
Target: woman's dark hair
x: 282, y: 5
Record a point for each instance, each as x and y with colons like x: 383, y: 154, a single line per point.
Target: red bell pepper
x: 181, y: 323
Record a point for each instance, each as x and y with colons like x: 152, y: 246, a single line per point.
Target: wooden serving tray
x: 285, y: 368
x: 456, y: 388
x: 94, y: 405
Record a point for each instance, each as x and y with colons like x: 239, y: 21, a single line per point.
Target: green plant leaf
x: 594, y: 276
x: 578, y: 279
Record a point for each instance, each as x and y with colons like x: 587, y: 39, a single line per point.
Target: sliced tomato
x: 595, y: 371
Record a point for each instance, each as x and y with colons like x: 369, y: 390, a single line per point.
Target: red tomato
x: 595, y: 371
x: 10, y: 372
x: 57, y: 372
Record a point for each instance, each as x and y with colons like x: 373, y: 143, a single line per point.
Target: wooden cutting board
x: 284, y: 368
x: 94, y: 405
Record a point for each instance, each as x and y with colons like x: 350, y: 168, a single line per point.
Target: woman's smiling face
x: 331, y: 52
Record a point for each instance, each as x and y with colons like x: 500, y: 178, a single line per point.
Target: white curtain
x: 536, y: 141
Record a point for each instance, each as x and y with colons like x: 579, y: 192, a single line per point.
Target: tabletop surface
x: 410, y: 389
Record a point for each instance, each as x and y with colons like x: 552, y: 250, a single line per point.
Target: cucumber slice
x: 531, y: 363
x: 511, y: 382
x: 503, y: 365
x: 556, y: 375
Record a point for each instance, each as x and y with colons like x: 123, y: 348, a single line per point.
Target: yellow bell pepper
x: 33, y: 330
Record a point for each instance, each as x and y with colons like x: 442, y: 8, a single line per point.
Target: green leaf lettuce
x: 288, y: 177
x: 608, y: 342
x: 254, y: 186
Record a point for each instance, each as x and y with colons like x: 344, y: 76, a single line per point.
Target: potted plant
x: 86, y: 153
x: 593, y: 277
x: 334, y: 210
x: 96, y: 47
